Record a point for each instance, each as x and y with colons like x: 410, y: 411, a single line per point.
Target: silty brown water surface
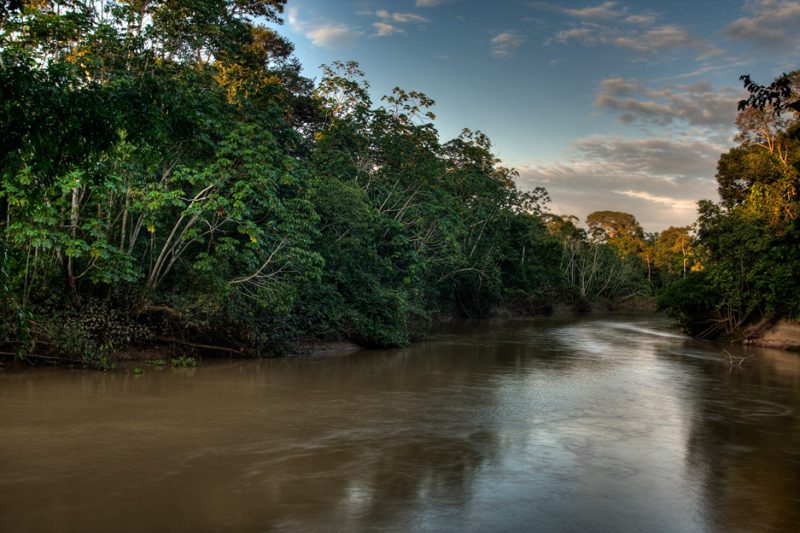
x: 603, y: 424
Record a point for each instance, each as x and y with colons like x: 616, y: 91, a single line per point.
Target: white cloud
x: 674, y: 203
x: 640, y: 19
x: 292, y: 18
x: 389, y: 23
x: 331, y: 35
x: 734, y: 67
x: 601, y: 13
x: 688, y: 158
x: 619, y: 86
x: 401, y: 18
x: 326, y: 35
x: 711, y: 51
x: 657, y: 180
x: 384, y: 29
x: 604, y: 11
x: 587, y: 36
x: 653, y: 41
x: 697, y: 104
x: 504, y: 44
x: 612, y: 24
x: 771, y: 24
x: 661, y: 38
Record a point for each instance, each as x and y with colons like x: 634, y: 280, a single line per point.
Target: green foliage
x: 75, y: 344
x: 691, y: 301
x: 611, y: 225
x: 780, y: 94
x: 749, y: 246
x: 183, y: 362
x: 675, y: 254
x: 596, y: 270
x: 168, y: 173
x: 740, y: 169
x: 754, y: 266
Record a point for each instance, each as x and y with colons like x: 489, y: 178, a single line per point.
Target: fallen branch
x: 240, y: 351
x: 35, y: 356
x: 735, y: 358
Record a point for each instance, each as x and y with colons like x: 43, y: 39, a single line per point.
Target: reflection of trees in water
x: 744, y: 444
x: 404, y: 447
x: 256, y: 445
x: 355, y: 483
x: 418, y: 479
x: 395, y: 437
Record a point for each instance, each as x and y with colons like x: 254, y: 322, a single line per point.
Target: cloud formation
x: 401, y: 18
x: 389, y: 23
x: 657, y: 39
x: 695, y: 104
x: 610, y: 24
x: 657, y: 180
x: 651, y: 41
x: 384, y: 29
x: 504, y: 44
x: 640, y: 19
x: 604, y: 11
x: 326, y: 35
x: 674, y: 203
x: 771, y: 25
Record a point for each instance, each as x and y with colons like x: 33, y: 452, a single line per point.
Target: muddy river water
x: 597, y: 424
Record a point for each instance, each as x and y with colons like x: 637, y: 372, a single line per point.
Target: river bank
x: 164, y: 350
x: 783, y: 335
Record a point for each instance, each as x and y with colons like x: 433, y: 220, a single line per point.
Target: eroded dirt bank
x: 783, y: 334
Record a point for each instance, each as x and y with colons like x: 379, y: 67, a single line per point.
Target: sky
x: 609, y: 105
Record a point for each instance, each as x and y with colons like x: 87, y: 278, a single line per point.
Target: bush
x: 692, y: 301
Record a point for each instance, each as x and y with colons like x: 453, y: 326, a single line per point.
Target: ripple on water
x: 597, y: 424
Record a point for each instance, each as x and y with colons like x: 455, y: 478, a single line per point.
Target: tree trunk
x: 73, y: 233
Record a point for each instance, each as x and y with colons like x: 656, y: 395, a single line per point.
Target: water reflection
x: 744, y: 443
x: 601, y: 424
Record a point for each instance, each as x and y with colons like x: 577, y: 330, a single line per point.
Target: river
x: 613, y: 423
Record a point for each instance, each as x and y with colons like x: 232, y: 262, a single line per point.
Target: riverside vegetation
x: 749, y: 243
x: 169, y: 176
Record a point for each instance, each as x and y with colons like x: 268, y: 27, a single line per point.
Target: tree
x: 781, y: 95
x: 166, y: 166
x: 674, y: 251
x: 610, y: 225
x: 620, y: 230
x: 749, y: 243
x: 741, y: 168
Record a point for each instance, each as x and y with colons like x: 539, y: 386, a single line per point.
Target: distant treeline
x: 167, y: 173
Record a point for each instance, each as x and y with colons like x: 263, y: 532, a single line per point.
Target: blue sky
x: 608, y: 104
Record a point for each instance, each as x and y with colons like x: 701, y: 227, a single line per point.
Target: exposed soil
x: 783, y: 334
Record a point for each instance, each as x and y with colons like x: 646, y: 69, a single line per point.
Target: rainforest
x: 169, y: 177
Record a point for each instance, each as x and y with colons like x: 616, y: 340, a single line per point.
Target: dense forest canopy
x: 168, y: 173
x: 749, y: 243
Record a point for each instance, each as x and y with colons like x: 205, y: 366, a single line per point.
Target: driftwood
x: 170, y: 340
x: 736, y: 360
x: 35, y: 356
x: 202, y: 346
